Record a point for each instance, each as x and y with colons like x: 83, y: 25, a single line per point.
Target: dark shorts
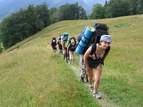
x: 94, y: 63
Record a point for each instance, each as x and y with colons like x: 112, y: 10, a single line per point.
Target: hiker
x: 71, y: 49
x: 64, y: 40
x: 100, y: 29
x: 59, y: 45
x: 54, y: 44
x: 94, y: 59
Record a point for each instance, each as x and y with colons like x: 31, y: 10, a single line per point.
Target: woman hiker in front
x: 94, y: 59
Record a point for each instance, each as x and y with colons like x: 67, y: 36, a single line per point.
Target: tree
x: 119, y: 8
x: 132, y: 6
x: 23, y: 24
x: 71, y: 12
x: 43, y: 14
x: 98, y: 11
x: 54, y: 15
x: 1, y: 47
x: 115, y: 8
x: 139, y: 6
x: 107, y: 8
x: 82, y: 13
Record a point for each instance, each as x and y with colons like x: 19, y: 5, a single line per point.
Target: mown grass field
x: 31, y: 75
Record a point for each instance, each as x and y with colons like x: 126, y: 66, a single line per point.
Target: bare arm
x: 86, y: 55
x: 106, y: 53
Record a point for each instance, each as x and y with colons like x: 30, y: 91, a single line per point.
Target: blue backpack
x: 65, y: 36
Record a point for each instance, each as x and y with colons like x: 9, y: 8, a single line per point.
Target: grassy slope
x: 32, y: 76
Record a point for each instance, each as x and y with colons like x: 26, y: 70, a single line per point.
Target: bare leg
x: 71, y: 57
x: 90, y: 75
x: 97, y: 76
x: 81, y: 63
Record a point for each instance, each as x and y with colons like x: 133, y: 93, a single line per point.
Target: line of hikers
x: 93, y: 52
x: 66, y: 45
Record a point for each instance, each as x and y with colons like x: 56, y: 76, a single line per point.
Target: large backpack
x: 65, y: 36
x: 64, y: 39
x: 100, y: 29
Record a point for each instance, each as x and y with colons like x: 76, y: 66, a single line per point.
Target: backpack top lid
x: 92, y: 29
x: 101, y: 26
x: 65, y: 36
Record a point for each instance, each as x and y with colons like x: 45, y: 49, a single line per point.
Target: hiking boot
x: 97, y: 95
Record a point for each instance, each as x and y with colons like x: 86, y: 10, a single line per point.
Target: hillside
x: 31, y: 75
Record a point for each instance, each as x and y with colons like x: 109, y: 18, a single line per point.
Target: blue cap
x: 106, y: 38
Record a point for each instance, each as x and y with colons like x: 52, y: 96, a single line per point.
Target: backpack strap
x: 93, y: 48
